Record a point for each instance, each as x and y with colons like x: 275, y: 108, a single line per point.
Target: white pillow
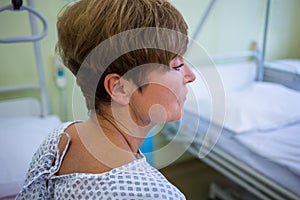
x: 19, y: 139
x: 231, y: 77
x: 237, y: 76
x: 263, y: 106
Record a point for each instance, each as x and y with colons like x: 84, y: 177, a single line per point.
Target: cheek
x: 157, y: 103
x: 163, y: 95
x: 169, y: 101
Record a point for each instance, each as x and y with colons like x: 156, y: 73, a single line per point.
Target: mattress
x: 281, y: 145
x: 19, y: 139
x: 275, y: 171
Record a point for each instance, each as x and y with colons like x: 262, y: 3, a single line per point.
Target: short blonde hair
x: 87, y: 23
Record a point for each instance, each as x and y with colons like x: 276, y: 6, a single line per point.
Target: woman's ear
x: 117, y: 88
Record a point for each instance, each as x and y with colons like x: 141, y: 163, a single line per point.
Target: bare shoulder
x: 77, y: 158
x: 92, y: 152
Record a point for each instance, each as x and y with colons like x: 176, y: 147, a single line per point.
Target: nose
x: 189, y: 75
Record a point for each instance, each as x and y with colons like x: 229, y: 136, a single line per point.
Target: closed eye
x: 178, y: 67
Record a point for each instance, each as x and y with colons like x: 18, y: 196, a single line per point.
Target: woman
x: 127, y: 59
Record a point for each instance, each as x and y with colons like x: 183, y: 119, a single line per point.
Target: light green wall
x: 234, y: 24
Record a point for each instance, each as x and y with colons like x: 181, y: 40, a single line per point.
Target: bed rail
x: 245, y: 176
x: 19, y: 88
x: 35, y: 39
x: 256, y: 183
x: 260, y: 74
x: 234, y: 55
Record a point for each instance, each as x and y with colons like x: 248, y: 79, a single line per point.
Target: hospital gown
x: 134, y: 180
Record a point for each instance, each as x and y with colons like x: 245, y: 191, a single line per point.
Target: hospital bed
x: 24, y: 122
x: 250, y: 133
x: 257, y: 145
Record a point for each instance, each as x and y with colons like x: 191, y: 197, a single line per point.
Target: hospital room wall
x: 232, y: 26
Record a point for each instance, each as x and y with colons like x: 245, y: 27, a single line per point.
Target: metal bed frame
x: 286, y: 78
x: 16, y: 6
x: 245, y: 176
x: 237, y: 171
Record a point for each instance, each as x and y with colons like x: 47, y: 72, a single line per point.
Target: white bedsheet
x: 19, y: 139
x: 281, y: 145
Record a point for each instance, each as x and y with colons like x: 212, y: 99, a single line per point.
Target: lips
x: 182, y: 100
x: 185, y: 95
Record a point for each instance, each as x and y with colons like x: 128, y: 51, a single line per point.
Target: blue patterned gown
x: 135, y: 180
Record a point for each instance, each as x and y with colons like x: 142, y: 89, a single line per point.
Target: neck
x: 122, y: 130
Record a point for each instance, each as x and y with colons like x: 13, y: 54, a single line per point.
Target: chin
x: 175, y: 116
